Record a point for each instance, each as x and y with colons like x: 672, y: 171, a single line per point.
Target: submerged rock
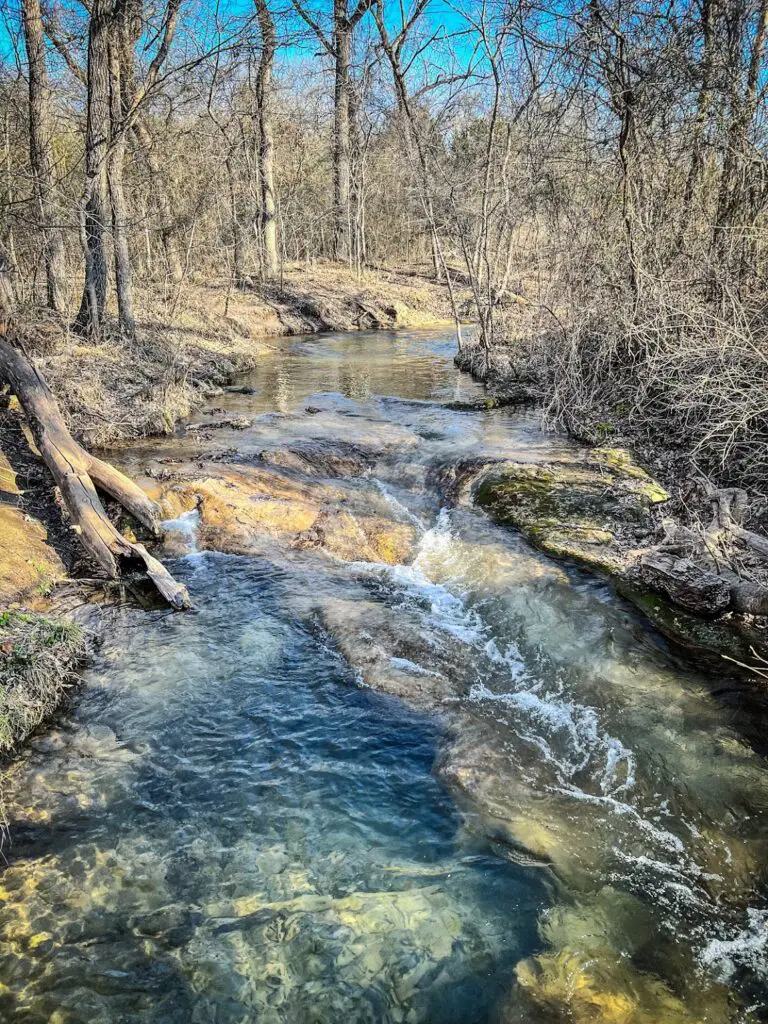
x: 582, y: 988
x: 318, y: 457
x: 387, y: 651
x: 241, y: 508
x: 589, y: 973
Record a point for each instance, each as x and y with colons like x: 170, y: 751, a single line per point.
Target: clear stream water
x: 228, y: 824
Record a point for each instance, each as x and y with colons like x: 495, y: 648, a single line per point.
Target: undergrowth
x: 682, y: 376
x: 38, y: 657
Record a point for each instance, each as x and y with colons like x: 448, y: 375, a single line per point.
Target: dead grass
x: 38, y: 656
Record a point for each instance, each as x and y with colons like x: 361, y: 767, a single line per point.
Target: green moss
x: 574, y: 509
x: 620, y: 461
x: 703, y: 636
x: 562, y: 511
x: 38, y: 656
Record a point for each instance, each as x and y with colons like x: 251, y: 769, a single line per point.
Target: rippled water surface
x: 559, y: 820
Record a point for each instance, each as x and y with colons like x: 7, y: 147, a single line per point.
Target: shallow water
x: 231, y: 824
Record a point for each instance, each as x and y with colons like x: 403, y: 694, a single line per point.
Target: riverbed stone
x: 593, y: 507
x: 320, y: 457
x: 243, y: 507
x: 386, y: 650
x: 359, y: 538
x: 589, y: 971
x: 584, y: 988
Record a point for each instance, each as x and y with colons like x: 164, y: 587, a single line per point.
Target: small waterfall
x: 184, y: 530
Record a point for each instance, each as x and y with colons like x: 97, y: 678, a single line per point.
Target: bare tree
x: 95, y: 210
x: 41, y: 155
x: 339, y: 48
x: 394, y: 49
x: 264, y: 103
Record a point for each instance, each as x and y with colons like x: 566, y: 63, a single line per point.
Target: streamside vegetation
x: 38, y: 659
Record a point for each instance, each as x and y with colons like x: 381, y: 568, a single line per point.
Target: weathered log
x: 76, y: 473
x: 749, y: 598
x: 729, y: 505
x: 687, y: 584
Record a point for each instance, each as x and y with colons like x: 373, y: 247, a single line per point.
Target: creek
x: 424, y: 775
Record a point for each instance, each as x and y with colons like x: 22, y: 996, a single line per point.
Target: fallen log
x: 685, y: 583
x: 729, y: 505
x: 77, y: 474
x: 749, y: 598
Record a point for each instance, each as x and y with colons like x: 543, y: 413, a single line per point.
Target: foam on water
x: 568, y: 733
x: 186, y: 527
x: 569, y: 736
x: 397, y: 505
x: 748, y: 948
x: 591, y: 765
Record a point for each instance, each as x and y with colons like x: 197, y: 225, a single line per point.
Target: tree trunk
x: 414, y: 143
x: 75, y: 472
x: 172, y: 246
x: 240, y: 248
x: 732, y: 207
x: 90, y: 317
x: 123, y: 271
x: 266, y: 141
x: 355, y: 218
x: 7, y: 288
x: 41, y: 155
x: 341, y: 130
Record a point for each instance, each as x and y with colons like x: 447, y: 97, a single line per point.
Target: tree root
x: 77, y: 473
x: 669, y: 567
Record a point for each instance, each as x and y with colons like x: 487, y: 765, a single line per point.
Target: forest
x: 586, y: 179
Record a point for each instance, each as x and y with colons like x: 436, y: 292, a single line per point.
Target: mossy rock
x: 621, y: 463
x: 591, y: 509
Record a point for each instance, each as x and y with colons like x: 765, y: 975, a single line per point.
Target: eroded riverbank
x: 240, y: 816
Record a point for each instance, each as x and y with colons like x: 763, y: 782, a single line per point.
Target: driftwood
x: 77, y: 474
